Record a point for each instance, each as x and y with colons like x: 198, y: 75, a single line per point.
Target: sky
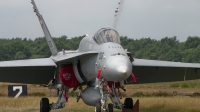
x: 140, y: 18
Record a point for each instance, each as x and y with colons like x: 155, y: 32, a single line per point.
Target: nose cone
x: 122, y: 70
x: 118, y: 68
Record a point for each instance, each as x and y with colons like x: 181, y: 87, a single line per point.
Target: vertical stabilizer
x: 47, y: 34
x: 118, y: 12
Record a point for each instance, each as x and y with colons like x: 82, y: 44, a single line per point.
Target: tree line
x: 168, y: 48
x: 19, y: 48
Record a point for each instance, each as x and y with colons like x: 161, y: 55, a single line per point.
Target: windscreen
x: 107, y: 35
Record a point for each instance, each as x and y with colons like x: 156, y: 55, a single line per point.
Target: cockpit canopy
x: 105, y: 35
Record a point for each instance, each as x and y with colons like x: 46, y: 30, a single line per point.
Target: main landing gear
x: 129, y: 106
x: 128, y: 103
x: 44, y: 105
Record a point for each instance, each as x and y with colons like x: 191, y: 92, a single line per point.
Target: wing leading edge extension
x: 150, y: 71
x: 71, y: 56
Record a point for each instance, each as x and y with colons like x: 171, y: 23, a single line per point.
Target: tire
x: 98, y: 107
x: 110, y: 107
x: 128, y: 103
x: 44, y: 105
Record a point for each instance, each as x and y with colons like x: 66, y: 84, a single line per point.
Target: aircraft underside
x: 97, y: 93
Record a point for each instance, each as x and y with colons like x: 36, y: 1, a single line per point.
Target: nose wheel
x: 44, y: 105
x: 110, y: 107
x: 98, y: 107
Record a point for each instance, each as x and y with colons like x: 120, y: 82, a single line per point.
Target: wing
x: 150, y: 71
x: 33, y: 71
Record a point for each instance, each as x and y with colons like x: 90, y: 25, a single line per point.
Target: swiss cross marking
x: 67, y: 76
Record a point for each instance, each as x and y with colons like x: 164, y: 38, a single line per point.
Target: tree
x: 192, y: 42
x: 20, y: 55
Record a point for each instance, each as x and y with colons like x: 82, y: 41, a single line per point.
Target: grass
x: 37, y: 94
x: 175, y: 85
x: 161, y: 94
x: 162, y: 104
x: 185, y: 85
x: 188, y: 84
x: 155, y: 97
x: 147, y: 104
x: 154, y: 94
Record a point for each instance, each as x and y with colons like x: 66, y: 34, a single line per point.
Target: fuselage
x: 112, y: 59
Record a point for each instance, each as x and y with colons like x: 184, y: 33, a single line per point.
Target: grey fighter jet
x: 100, y: 62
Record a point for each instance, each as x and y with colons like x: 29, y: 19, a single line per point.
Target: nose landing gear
x: 109, y: 109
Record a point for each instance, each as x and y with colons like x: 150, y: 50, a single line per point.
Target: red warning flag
x: 99, y: 73
x: 133, y: 77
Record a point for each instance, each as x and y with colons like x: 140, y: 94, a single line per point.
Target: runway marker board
x: 17, y: 90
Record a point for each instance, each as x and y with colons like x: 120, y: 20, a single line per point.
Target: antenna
x: 118, y: 12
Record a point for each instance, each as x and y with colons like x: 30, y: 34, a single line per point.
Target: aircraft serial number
x: 101, y: 55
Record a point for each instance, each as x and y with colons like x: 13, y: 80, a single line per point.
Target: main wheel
x: 110, y: 107
x: 44, y: 105
x: 98, y: 107
x: 128, y: 103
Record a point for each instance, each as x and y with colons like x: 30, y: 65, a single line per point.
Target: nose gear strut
x: 108, y: 90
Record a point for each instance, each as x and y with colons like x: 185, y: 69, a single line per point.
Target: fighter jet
x: 100, y: 63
